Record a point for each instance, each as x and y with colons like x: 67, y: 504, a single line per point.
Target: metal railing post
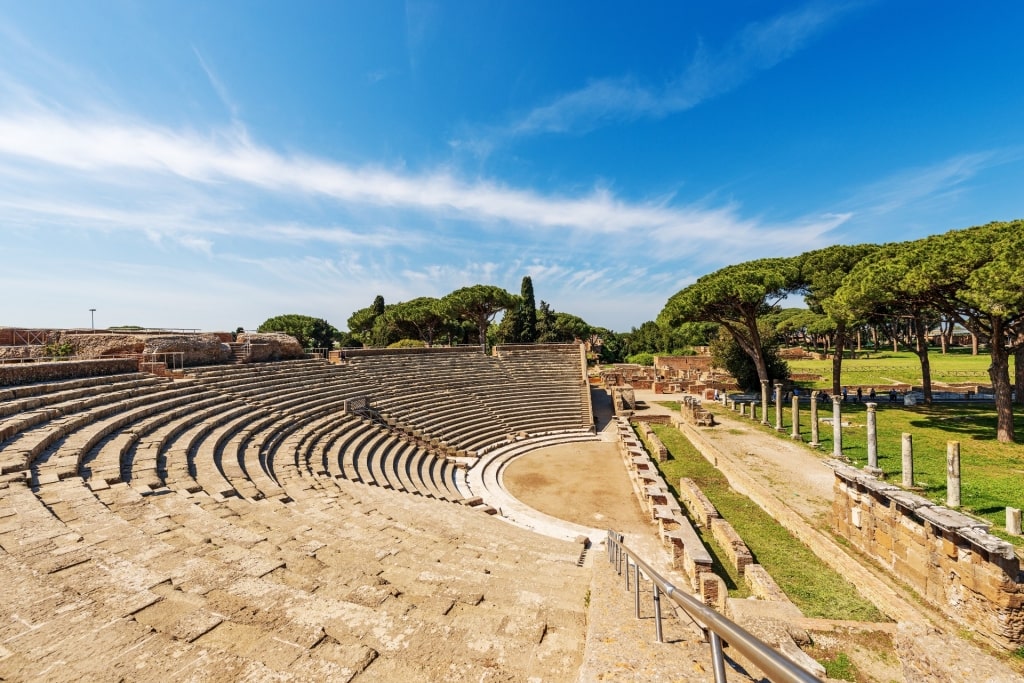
x: 717, y: 657
x: 636, y: 593
x: 657, y: 614
x: 775, y: 666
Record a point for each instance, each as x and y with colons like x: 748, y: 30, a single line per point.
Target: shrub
x: 407, y: 344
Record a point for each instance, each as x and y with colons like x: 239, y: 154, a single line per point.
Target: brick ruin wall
x: 678, y: 364
x: 948, y: 558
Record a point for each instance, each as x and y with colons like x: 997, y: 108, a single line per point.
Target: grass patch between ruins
x: 990, y: 472
x: 888, y: 367
x: 812, y: 585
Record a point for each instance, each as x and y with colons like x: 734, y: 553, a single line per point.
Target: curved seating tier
x: 117, y: 584
x: 239, y: 524
x: 472, y: 402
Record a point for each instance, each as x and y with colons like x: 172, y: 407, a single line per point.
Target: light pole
x: 92, y: 318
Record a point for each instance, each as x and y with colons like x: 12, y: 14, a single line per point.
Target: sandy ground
x: 597, y: 494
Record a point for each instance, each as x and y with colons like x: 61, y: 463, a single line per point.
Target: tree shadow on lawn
x: 975, y: 425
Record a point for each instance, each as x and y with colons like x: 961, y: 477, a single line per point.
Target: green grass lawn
x: 887, y: 367
x: 811, y: 584
x: 992, y: 473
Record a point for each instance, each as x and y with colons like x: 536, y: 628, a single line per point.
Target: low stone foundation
x: 697, y: 504
x: 736, y: 551
x: 27, y: 373
x: 947, y: 557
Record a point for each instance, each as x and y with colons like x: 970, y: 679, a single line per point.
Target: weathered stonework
x: 268, y: 346
x: 713, y: 592
x: 736, y: 551
x: 679, y: 364
x: 27, y: 373
x: 762, y: 585
x: 697, y: 504
x: 948, y: 557
x: 196, y: 349
x: 928, y: 656
x: 658, y: 449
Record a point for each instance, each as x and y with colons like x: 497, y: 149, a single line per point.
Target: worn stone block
x: 732, y: 545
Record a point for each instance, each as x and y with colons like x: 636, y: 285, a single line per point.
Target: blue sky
x: 210, y: 165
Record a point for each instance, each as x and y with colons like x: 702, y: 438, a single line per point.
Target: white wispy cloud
x: 940, y: 182
x: 118, y: 151
x: 759, y: 46
x: 217, y: 85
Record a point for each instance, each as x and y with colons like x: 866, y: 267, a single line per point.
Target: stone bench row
x: 332, y: 448
x: 197, y: 606
x: 225, y: 427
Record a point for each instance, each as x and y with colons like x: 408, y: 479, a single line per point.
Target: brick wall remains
x: 696, y: 503
x: 677, y: 364
x: 948, y: 557
x: 736, y: 551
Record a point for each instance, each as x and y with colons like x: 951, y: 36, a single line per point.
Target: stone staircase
x: 623, y: 648
x: 240, y: 352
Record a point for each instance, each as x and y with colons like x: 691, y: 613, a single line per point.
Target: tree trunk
x: 999, y: 372
x: 874, y: 338
x: 1018, y: 372
x: 895, y: 342
x: 921, y: 349
x: 837, y: 358
x: 859, y: 346
x: 974, y: 344
x: 942, y: 336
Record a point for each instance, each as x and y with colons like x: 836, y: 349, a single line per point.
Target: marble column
x: 795, y: 434
x: 778, y: 406
x: 837, y: 427
x: 764, y: 402
x: 872, y: 467
x: 814, y: 420
x: 908, y: 460
x: 953, y: 474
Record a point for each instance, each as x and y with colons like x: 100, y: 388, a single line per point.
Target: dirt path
x: 795, y: 473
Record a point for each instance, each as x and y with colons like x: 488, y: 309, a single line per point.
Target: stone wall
x: 352, y: 353
x: 270, y: 346
x: 197, y: 349
x: 27, y: 373
x: 677, y: 364
x: 947, y: 557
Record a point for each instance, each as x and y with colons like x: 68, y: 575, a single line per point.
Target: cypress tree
x: 528, y: 312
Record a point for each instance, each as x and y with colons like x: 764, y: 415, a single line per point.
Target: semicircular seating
x: 240, y: 524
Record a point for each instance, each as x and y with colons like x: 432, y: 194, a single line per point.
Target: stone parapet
x: 762, y: 585
x: 27, y: 373
x: 736, y: 551
x: 688, y: 552
x: 657, y: 448
x: 697, y: 504
x: 713, y: 591
x: 946, y: 556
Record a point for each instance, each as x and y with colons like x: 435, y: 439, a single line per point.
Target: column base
x: 875, y: 472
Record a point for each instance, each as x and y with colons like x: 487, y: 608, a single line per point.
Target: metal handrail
x: 718, y: 628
